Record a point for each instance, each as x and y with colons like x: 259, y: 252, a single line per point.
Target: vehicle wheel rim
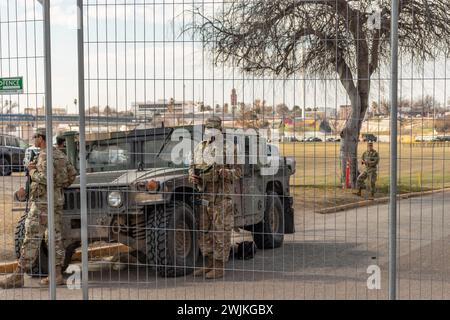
x: 4, y: 167
x: 183, y: 240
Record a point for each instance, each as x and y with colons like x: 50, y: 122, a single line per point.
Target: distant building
x: 55, y: 111
x: 160, y: 107
x: 225, y: 108
x: 316, y: 115
x: 29, y: 111
x: 234, y: 102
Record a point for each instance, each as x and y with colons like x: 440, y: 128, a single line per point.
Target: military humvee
x: 138, y: 195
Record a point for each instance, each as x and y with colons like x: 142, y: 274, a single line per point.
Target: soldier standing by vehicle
x: 36, y: 222
x: 214, y: 179
x: 370, y: 160
x: 60, y: 143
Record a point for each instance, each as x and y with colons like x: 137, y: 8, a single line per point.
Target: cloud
x: 64, y: 14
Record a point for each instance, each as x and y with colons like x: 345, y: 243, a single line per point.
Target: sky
x: 137, y: 53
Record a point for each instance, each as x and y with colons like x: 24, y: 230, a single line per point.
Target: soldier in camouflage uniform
x: 36, y: 221
x: 370, y: 160
x: 214, y: 176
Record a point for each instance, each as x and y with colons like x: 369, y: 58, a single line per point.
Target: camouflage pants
x: 35, y: 231
x: 216, y: 224
x: 367, y: 174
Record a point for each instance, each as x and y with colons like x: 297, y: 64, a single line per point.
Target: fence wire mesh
x: 301, y: 89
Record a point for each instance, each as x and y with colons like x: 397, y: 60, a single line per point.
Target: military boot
x: 358, y: 193
x: 372, y: 196
x: 59, y: 280
x: 206, y: 268
x: 218, y: 270
x: 14, y: 280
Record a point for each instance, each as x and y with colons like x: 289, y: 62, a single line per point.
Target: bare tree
x: 323, y: 37
x: 297, y: 111
x: 282, y: 109
x: 94, y: 109
x: 426, y: 105
x: 385, y: 106
x: 404, y: 103
x: 108, y: 111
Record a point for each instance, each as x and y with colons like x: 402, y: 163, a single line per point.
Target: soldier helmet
x: 40, y: 132
x: 60, y: 139
x: 214, y: 123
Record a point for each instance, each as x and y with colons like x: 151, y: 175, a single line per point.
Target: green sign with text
x: 11, y: 85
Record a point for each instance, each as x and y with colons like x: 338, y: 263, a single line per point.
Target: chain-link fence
x: 234, y: 149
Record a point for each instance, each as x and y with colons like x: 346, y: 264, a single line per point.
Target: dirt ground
x: 310, y: 199
x: 8, y: 221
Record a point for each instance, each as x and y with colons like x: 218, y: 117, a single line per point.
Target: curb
x: 8, y: 267
x: 104, y: 251
x: 383, y: 200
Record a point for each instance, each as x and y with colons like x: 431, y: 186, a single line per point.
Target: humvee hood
x: 126, y: 177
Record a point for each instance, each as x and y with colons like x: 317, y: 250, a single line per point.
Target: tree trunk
x: 350, y: 139
x: 358, y: 92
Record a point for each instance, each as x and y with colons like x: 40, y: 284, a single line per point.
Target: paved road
x: 327, y: 258
x: 11, y: 183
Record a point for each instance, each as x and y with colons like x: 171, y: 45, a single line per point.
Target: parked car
x: 314, y: 139
x: 441, y: 139
x: 289, y: 139
x: 12, y: 153
x: 366, y: 137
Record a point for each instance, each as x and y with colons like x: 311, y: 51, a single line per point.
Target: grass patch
x: 317, y: 178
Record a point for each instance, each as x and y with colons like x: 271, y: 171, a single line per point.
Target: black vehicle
x: 366, y: 137
x: 12, y: 153
x: 314, y: 139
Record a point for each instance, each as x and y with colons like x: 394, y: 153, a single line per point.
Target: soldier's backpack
x: 243, y: 250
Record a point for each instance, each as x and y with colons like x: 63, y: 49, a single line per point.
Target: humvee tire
x: 269, y: 233
x: 40, y: 266
x: 5, y: 167
x: 172, y: 240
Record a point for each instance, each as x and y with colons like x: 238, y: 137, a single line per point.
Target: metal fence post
x: 393, y: 156
x: 83, y: 200
x: 49, y: 148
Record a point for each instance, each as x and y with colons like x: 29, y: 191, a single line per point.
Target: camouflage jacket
x: 207, y: 160
x: 371, y: 158
x: 63, y: 175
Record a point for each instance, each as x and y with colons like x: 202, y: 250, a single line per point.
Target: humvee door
x: 250, y: 186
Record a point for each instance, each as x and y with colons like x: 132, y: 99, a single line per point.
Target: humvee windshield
x: 125, y: 150
x: 108, y: 155
x: 177, y: 150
